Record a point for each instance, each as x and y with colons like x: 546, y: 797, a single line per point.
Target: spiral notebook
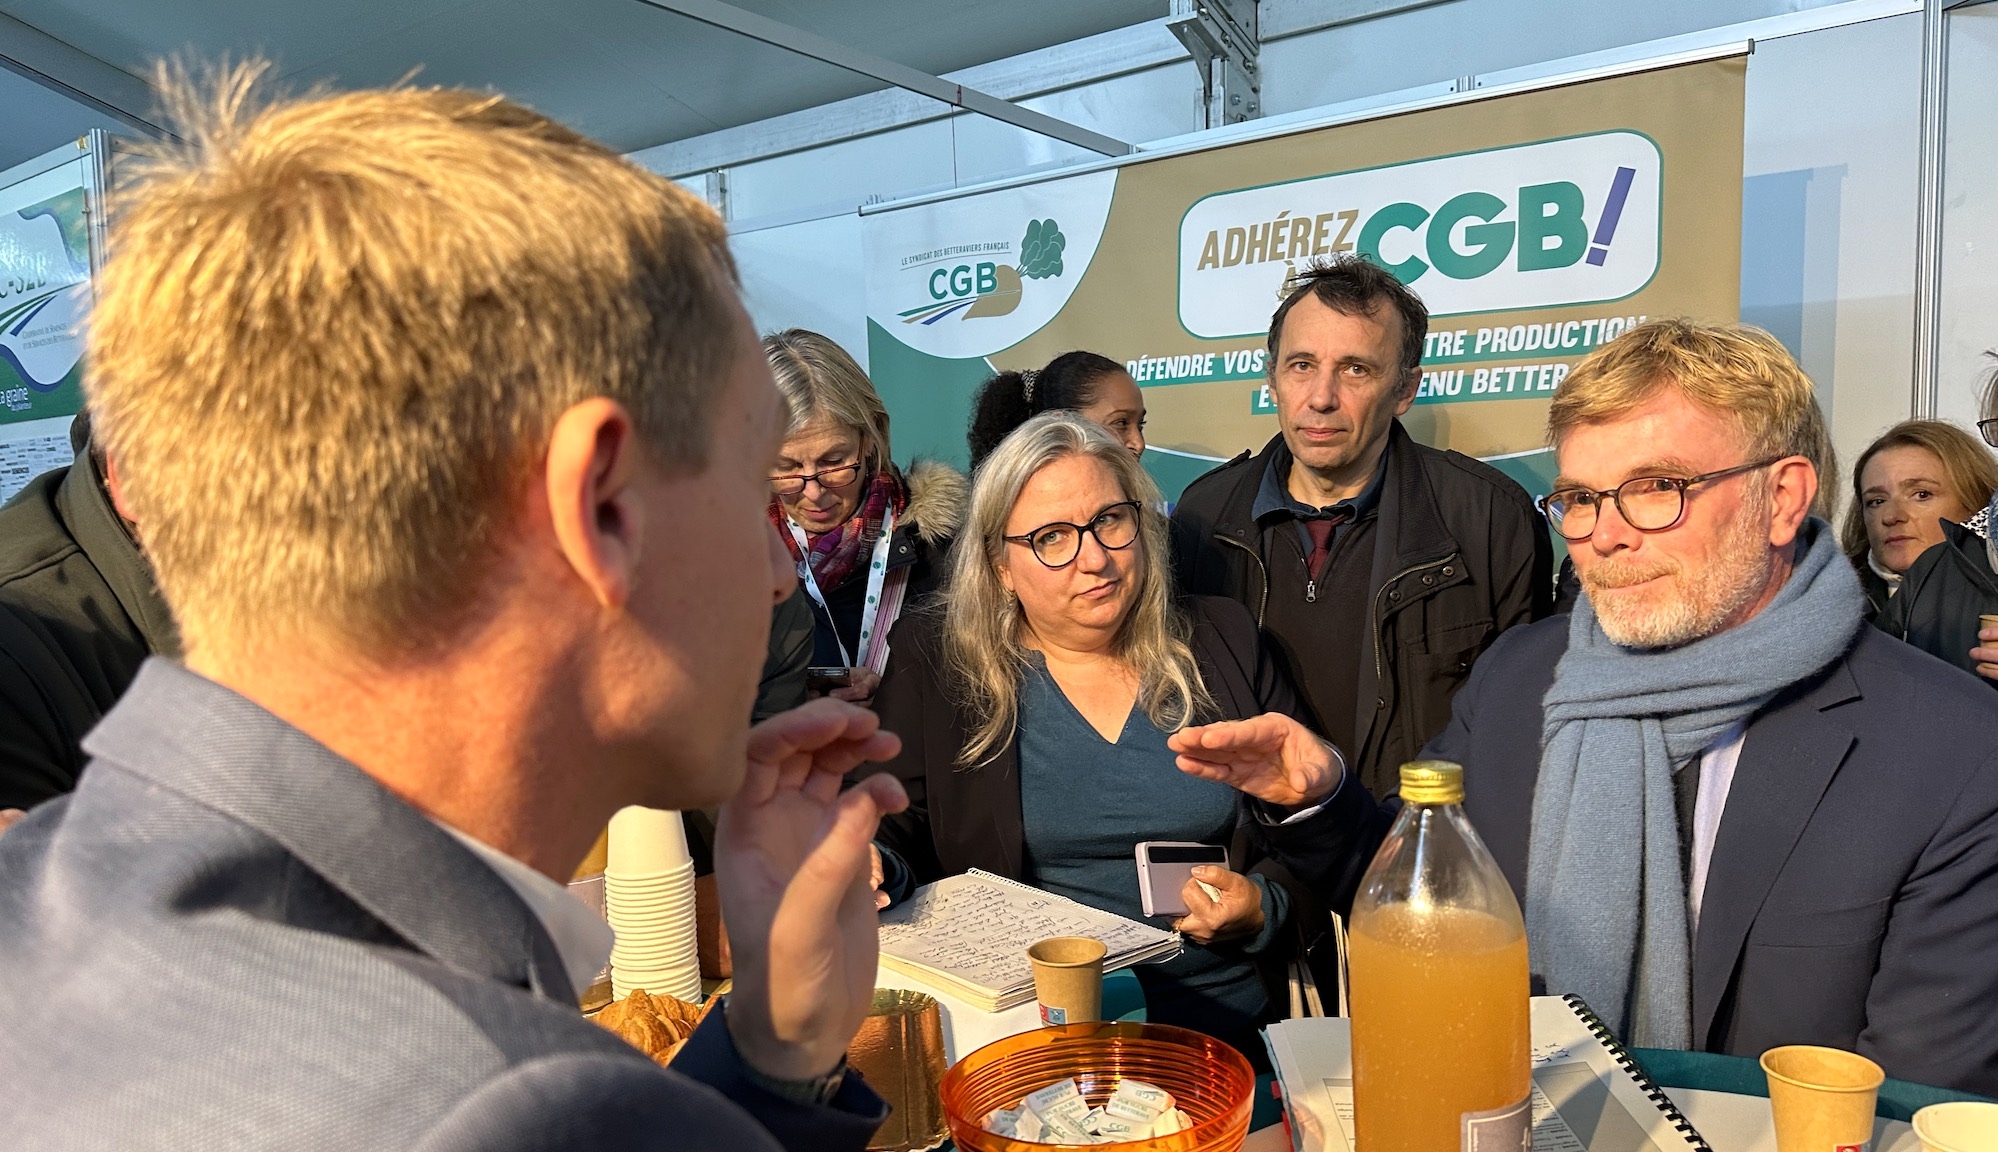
x: 969, y: 935
x: 1588, y: 1094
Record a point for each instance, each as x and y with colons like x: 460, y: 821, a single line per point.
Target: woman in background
x: 1927, y: 574
x: 1095, y: 387
x: 867, y: 541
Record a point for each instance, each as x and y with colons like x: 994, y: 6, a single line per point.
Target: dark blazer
x: 1460, y: 555
x: 230, y: 938
x: 1942, y: 594
x: 964, y: 818
x: 1852, y: 896
x: 78, y: 614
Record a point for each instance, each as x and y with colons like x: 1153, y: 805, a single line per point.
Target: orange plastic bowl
x: 1211, y: 1081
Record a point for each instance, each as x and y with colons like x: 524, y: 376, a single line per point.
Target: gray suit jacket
x: 230, y: 938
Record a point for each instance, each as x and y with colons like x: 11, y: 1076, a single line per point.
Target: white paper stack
x: 649, y: 901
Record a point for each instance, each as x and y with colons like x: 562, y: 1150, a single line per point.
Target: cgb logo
x: 968, y: 290
x: 1573, y: 221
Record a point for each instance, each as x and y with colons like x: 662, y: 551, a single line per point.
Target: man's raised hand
x: 792, y: 855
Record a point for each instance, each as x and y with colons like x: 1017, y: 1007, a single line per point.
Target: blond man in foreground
x: 439, y: 419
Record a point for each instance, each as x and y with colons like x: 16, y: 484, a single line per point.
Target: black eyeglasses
x: 1646, y: 503
x: 838, y: 477
x: 1989, y: 430
x: 1058, y: 544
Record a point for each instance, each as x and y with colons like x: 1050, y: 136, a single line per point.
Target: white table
x: 1729, y: 1122
x: 1734, y: 1123
x: 966, y: 1029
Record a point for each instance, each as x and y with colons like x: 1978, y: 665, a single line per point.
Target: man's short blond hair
x: 335, y: 334
x: 1738, y: 370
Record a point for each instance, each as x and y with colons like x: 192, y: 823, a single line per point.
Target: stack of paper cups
x: 649, y: 899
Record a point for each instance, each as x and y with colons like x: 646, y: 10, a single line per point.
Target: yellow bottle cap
x: 1432, y: 782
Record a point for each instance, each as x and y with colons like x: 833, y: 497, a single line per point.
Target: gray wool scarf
x: 1605, y: 895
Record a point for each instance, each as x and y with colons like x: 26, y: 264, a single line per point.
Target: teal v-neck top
x: 1086, y: 803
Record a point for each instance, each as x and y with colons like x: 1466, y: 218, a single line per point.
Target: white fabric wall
x: 1970, y: 217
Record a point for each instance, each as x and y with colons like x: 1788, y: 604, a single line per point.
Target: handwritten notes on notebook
x: 971, y: 934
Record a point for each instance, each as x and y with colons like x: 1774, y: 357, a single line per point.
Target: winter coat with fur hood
x: 938, y: 497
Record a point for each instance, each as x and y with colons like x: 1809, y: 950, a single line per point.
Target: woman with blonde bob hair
x: 1916, y: 476
x: 1920, y: 529
x: 867, y: 538
x: 1060, y: 705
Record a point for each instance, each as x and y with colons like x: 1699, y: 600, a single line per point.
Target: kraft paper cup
x: 1068, y: 979
x: 646, y: 840
x: 1960, y: 1126
x: 1822, y: 1098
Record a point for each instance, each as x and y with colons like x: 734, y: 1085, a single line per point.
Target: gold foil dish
x: 900, y: 1051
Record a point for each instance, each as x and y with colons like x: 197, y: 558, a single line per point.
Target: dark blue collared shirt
x: 1273, y: 498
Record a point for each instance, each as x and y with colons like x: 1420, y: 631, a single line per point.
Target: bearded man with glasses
x: 1704, y: 783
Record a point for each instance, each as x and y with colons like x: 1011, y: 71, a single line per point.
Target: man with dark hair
x: 1380, y: 568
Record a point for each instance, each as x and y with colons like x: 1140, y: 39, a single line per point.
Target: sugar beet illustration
x: 1040, y: 250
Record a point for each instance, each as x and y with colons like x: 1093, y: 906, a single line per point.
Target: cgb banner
x: 1535, y: 226
x: 44, y: 294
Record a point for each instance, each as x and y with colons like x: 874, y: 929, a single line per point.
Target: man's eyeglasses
x: 838, y: 477
x: 1989, y: 430
x: 1646, y: 503
x: 1058, y: 544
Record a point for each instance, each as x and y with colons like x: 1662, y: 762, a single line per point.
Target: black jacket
x: 1850, y: 899
x: 1942, y: 595
x: 960, y: 818
x: 1460, y: 556
x: 921, y: 543
x: 78, y: 614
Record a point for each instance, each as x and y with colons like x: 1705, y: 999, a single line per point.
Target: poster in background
x: 1534, y: 226
x: 44, y: 301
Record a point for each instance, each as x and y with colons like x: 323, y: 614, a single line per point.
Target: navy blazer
x: 1852, y: 895
x: 230, y: 938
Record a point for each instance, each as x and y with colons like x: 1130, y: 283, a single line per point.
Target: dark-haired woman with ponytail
x: 1094, y: 387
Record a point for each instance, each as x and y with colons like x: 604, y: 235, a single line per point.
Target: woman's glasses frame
x: 1989, y: 430
x: 792, y: 485
x: 1095, y: 528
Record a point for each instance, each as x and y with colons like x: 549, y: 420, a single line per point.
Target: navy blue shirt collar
x: 1274, y: 497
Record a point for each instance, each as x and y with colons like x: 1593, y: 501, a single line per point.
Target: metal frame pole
x: 1925, y: 399
x: 792, y: 39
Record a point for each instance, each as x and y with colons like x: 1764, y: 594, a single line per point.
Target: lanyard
x: 877, y: 573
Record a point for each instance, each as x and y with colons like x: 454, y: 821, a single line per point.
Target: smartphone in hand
x: 1164, y: 867
x: 825, y: 679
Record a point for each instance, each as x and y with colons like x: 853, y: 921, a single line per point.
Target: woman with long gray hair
x: 1059, y: 705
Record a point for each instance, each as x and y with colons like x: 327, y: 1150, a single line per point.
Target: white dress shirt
x: 1716, y: 777
x: 582, y: 939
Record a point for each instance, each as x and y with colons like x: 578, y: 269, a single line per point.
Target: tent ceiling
x: 629, y: 74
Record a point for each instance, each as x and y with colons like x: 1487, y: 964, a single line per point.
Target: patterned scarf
x: 843, y: 551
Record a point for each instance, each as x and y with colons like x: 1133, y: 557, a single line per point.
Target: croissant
x: 655, y: 1025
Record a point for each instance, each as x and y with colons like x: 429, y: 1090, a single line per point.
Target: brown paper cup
x: 1822, y: 1098
x: 1068, y: 979
x: 1960, y: 1126
x: 1986, y: 620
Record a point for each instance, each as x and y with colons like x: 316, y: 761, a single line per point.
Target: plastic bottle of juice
x: 1437, y: 961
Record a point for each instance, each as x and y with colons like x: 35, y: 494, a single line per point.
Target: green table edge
x: 1715, y: 1072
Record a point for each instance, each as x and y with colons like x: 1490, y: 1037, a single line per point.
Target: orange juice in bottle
x: 1437, y: 961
